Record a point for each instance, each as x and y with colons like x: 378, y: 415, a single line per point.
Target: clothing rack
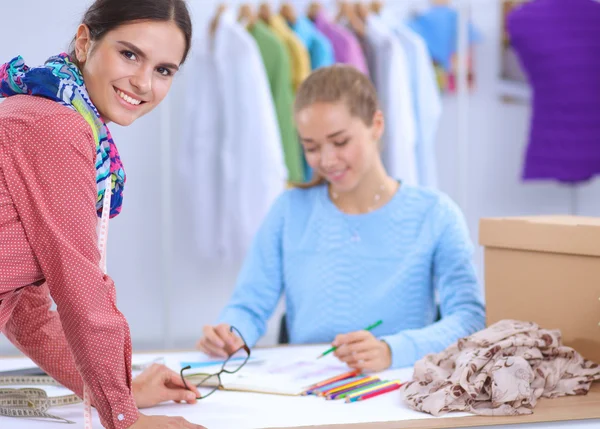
x: 167, y: 124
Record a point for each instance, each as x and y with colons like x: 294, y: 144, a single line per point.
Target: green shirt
x: 277, y: 64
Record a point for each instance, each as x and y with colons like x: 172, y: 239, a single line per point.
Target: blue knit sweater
x: 341, y: 273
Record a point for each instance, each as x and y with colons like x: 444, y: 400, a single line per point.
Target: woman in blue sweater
x: 355, y: 246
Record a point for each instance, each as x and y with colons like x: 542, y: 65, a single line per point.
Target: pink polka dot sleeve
x: 43, y: 341
x: 47, y: 156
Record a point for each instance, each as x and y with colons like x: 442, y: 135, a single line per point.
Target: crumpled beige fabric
x: 502, y: 370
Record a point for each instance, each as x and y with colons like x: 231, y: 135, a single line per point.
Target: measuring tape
x: 102, y: 230
x: 32, y: 402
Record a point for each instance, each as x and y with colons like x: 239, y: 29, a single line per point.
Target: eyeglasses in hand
x: 208, y: 384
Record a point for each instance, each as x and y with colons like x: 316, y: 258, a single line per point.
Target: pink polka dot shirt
x: 48, y: 250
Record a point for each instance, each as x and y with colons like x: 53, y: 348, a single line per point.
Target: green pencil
x: 368, y: 328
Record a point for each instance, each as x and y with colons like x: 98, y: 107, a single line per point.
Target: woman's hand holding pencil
x: 363, y: 351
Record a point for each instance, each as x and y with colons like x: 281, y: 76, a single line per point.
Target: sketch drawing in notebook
x: 281, y: 375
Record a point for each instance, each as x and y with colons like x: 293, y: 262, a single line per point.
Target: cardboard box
x: 545, y: 269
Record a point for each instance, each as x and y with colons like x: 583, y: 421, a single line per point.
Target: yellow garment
x: 298, y: 53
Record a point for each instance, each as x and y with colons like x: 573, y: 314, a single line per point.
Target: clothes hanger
x: 264, y: 12
x: 376, y: 6
x: 288, y: 12
x: 214, y: 23
x: 362, y: 11
x: 440, y: 2
x: 245, y: 15
x: 348, y: 11
x: 342, y: 10
x: 313, y: 9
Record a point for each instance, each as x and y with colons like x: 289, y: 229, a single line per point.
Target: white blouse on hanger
x: 200, y: 165
x: 238, y: 166
x: 427, y: 101
x: 390, y: 72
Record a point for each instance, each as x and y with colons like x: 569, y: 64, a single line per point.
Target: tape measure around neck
x: 102, y: 243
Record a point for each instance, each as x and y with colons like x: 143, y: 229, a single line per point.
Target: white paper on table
x: 225, y: 410
x: 285, y: 378
x: 288, y: 371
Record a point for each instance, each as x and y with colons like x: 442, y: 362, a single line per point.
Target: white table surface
x: 240, y: 410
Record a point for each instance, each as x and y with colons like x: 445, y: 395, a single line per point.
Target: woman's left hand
x: 159, y: 384
x: 361, y: 350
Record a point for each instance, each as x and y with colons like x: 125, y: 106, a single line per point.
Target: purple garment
x: 558, y: 44
x: 346, y: 47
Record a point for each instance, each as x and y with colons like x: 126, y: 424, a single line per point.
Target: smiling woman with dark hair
x: 61, y: 179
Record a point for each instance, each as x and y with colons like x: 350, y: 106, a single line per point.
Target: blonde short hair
x: 335, y: 84
x: 339, y: 83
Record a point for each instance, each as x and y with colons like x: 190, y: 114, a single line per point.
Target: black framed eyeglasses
x: 208, y: 384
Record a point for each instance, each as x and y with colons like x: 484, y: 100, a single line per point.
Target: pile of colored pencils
x: 353, y: 386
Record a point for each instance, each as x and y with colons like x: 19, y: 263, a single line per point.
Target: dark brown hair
x: 334, y: 84
x: 106, y: 15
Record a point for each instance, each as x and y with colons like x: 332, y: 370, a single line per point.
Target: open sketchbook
x: 282, y: 374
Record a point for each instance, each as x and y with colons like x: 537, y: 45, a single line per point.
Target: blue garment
x: 308, y: 171
x: 340, y: 273
x: 319, y: 47
x: 439, y: 28
x: 321, y: 54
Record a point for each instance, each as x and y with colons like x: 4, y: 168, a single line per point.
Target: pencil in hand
x: 332, y: 349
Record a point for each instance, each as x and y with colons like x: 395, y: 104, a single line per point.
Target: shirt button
x: 121, y: 417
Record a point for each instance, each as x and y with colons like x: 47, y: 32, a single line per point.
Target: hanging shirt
x: 346, y: 47
x: 426, y: 98
x: 49, y: 252
x: 300, y: 61
x: 277, y: 64
x: 319, y: 47
x: 439, y: 28
x: 391, y: 75
x: 248, y: 172
x: 201, y: 167
x: 254, y: 172
x: 340, y: 273
x: 558, y: 44
x: 321, y: 55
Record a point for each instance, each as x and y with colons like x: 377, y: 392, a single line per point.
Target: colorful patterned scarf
x: 60, y: 80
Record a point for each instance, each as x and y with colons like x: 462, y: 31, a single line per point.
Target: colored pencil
x: 335, y: 384
x: 368, y: 328
x: 332, y: 380
x: 364, y: 389
x: 342, y: 394
x: 345, y: 386
x: 372, y: 388
x: 375, y: 393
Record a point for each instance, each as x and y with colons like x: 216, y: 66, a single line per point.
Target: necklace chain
x: 376, y: 197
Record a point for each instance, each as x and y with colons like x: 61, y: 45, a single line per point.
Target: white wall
x: 167, y: 307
